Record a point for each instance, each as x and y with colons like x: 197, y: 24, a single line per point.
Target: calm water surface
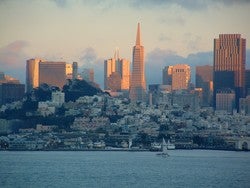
x: 184, y: 168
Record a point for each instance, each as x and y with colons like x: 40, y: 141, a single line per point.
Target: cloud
x: 61, y: 3
x: 163, y: 38
x: 176, y: 20
x: 192, y: 41
x: 157, y: 59
x: 13, y: 58
x: 89, y: 56
x: 90, y: 59
x: 188, y: 5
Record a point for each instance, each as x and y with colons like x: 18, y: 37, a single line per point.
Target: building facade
x: 204, y: 80
x: 167, y: 75
x: 123, y: 68
x: 229, y: 65
x: 247, y: 84
x: 52, y: 73
x: 32, y: 74
x: 225, y: 100
x: 10, y: 92
x: 138, y: 82
x: 181, y: 76
x: 109, y: 68
x: 116, y: 73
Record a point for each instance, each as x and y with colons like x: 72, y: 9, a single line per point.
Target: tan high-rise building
x: 116, y: 71
x: 69, y: 71
x: 52, y: 73
x: 229, y: 65
x: 32, y: 74
x: 123, y: 67
x: 109, y: 68
x: 138, y: 83
x: 181, y: 77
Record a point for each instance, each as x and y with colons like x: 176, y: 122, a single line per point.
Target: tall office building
x: 10, y: 89
x: 52, y: 73
x: 181, y: 77
x: 74, y: 70
x: 167, y: 75
x: 116, y: 71
x: 247, y: 84
x: 109, y: 68
x: 225, y: 100
x: 204, y: 80
x: 123, y: 68
x: 32, y: 74
x: 138, y: 83
x: 229, y: 65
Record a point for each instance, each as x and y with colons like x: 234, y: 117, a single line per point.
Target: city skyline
x: 87, y: 32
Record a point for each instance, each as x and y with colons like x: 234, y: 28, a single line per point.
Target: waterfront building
x: 204, y: 80
x: 181, y: 76
x: 229, y: 65
x: 138, y: 82
x: 52, y: 73
x: 32, y: 74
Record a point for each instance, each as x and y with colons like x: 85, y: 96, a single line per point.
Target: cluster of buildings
x: 102, y: 121
x: 203, y: 109
x: 223, y: 86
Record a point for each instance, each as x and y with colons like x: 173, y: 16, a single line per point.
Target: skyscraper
x: 247, y: 84
x: 116, y: 71
x: 180, y: 77
x: 229, y: 65
x: 138, y: 83
x: 52, y: 73
x: 10, y: 89
x: 32, y: 74
x: 74, y: 70
x: 123, y: 67
x: 167, y: 75
x: 204, y: 80
x: 109, y: 68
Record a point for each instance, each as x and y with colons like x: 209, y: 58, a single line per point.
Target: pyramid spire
x: 138, y: 36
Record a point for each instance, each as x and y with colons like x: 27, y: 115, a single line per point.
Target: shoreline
x: 121, y: 150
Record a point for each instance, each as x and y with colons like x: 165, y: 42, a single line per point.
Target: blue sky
x: 173, y: 31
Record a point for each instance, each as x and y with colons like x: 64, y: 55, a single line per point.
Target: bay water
x: 183, y: 168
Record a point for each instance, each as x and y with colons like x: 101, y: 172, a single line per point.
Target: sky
x: 172, y: 32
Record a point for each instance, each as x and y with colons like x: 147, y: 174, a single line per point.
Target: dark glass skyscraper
x: 229, y: 65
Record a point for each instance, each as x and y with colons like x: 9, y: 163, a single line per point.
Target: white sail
x: 164, y: 146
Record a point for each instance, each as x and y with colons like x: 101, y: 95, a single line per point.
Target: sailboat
x: 164, y: 152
